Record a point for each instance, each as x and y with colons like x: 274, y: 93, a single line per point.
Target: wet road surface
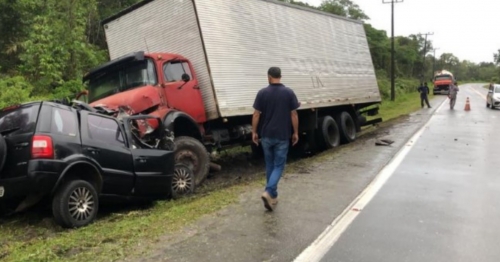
x: 311, y: 196
x: 442, y: 201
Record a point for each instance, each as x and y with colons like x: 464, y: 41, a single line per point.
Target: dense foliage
x: 46, y: 47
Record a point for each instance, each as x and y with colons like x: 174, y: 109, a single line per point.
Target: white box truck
x: 198, y: 64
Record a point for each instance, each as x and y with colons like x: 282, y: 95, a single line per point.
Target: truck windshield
x: 444, y: 77
x: 127, y: 76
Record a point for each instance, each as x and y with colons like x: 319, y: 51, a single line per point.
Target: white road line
x: 479, y: 93
x: 325, y: 241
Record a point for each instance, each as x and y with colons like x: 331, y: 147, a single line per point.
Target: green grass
x: 112, y: 237
x: 129, y: 233
x: 404, y: 105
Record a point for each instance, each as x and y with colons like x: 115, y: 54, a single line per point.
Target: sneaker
x: 274, y: 201
x: 266, y: 198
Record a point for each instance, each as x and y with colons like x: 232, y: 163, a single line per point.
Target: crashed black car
x: 73, y: 155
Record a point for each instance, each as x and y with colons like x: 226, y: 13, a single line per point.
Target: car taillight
x: 42, y: 147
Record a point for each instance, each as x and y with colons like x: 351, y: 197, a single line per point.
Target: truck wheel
x: 328, y: 133
x: 75, y: 204
x: 182, y: 182
x: 192, y: 153
x: 347, y: 127
x: 3, y: 152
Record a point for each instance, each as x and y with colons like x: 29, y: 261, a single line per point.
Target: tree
x: 345, y: 8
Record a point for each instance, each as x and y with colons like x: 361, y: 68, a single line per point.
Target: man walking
x: 423, y: 89
x: 452, y: 94
x: 274, y: 116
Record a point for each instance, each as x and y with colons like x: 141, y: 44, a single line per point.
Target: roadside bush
x: 402, y: 87
x: 14, y: 90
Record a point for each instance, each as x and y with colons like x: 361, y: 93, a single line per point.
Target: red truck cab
x: 442, y: 82
x: 153, y: 84
x: 158, y: 84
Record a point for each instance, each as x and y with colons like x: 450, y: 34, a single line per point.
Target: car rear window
x: 63, y: 122
x: 20, y: 120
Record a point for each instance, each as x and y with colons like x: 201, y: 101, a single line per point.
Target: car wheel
x: 75, y: 204
x: 191, y: 152
x: 3, y: 152
x: 347, y: 127
x: 182, y: 181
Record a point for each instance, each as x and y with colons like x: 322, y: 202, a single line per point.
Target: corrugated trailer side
x: 162, y: 26
x: 324, y: 58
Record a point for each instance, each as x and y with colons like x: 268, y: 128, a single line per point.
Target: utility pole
x: 425, y: 53
x: 392, y: 2
x: 434, y: 61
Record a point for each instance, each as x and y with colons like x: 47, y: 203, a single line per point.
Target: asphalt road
x: 311, y: 196
x: 442, y: 202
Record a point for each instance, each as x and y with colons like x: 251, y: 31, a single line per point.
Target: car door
x: 103, y: 140
x: 153, y: 168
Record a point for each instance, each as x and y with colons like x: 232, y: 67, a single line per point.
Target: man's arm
x: 255, y: 120
x: 257, y: 105
x: 295, y: 121
x: 294, y: 105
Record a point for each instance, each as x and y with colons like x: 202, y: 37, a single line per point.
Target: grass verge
x: 121, y: 234
x: 404, y: 105
x: 112, y: 237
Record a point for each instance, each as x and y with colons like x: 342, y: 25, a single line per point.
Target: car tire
x: 328, y: 134
x: 182, y: 182
x: 71, y: 214
x: 3, y: 152
x: 191, y: 152
x: 347, y: 127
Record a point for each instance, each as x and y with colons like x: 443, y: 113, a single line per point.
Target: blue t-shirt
x: 275, y: 103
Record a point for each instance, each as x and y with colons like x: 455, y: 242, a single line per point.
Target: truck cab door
x: 182, y: 89
x: 103, y: 140
x: 153, y: 167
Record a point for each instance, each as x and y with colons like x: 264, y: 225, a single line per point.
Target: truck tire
x: 191, y: 152
x: 328, y: 135
x: 69, y: 213
x: 347, y: 127
x: 183, y: 181
x: 3, y: 152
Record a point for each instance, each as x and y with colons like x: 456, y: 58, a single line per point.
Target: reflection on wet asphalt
x: 310, y: 198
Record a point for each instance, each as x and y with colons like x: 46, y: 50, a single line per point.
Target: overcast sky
x: 470, y: 29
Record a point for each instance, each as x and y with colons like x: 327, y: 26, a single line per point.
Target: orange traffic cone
x: 467, y: 105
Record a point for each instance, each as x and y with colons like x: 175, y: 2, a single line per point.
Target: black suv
x: 73, y: 157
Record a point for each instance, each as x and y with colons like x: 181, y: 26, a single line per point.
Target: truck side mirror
x: 185, y: 77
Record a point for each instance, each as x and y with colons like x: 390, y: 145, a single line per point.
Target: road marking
x: 325, y: 241
x: 483, y: 96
